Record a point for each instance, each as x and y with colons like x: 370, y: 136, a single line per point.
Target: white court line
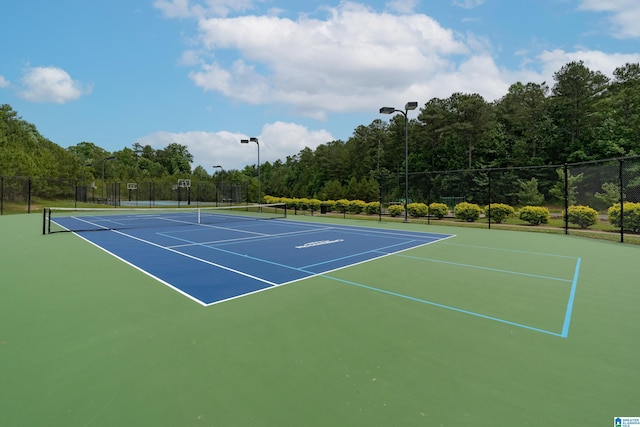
x: 238, y: 239
x: 196, y: 258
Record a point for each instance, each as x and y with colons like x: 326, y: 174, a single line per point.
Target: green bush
x: 342, y: 205
x: 631, y: 216
x: 303, y: 204
x: 467, y: 211
x: 271, y: 199
x: 372, y: 208
x: 395, y: 210
x: 356, y: 206
x: 535, y: 215
x: 291, y: 203
x: 330, y: 205
x: 583, y: 216
x: 417, y: 210
x: 439, y: 210
x: 313, y: 204
x: 499, y: 212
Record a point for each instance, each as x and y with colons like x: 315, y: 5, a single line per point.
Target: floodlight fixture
x: 390, y: 110
x: 246, y: 141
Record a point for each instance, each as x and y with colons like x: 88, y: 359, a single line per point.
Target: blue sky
x: 293, y: 73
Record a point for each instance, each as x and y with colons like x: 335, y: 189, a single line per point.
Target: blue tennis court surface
x: 214, y: 263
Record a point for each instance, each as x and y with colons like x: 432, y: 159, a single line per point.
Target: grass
x: 87, y: 340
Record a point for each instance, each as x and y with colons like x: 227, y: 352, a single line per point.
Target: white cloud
x: 277, y: 141
x: 624, y: 15
x: 51, y: 84
x: 354, y: 58
x: 595, y: 60
x: 4, y: 82
x: 340, y: 64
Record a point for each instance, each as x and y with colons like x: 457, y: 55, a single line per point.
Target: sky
x: 291, y: 73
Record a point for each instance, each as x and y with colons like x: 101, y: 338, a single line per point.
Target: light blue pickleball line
x: 537, y: 276
x: 447, y: 307
x: 572, y: 296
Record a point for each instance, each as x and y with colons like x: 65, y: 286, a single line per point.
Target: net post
x: 44, y: 221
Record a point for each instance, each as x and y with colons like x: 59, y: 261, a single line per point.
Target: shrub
x: 467, y: 211
x: 342, y: 205
x: 372, y: 208
x: 535, y: 215
x: 272, y: 199
x: 314, y: 204
x: 631, y: 216
x: 291, y: 203
x: 583, y: 216
x: 439, y: 210
x: 395, y: 210
x: 356, y: 206
x: 417, y: 210
x: 330, y: 205
x: 302, y: 203
x: 499, y: 212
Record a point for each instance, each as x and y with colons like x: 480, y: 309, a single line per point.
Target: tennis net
x: 96, y: 219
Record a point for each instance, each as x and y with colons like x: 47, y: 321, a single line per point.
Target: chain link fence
x: 27, y: 194
x: 610, y: 187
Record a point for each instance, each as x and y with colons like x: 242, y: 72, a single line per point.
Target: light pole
x: 246, y: 141
x: 103, y: 160
x: 218, y: 167
x: 379, y: 128
x: 391, y: 110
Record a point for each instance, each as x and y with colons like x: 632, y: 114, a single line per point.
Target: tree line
x: 581, y: 116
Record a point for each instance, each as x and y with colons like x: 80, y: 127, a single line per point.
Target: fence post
x: 621, y: 177
x: 566, y: 199
x: 489, y: 214
x: 29, y: 197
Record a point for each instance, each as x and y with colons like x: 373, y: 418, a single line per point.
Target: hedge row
x: 342, y: 205
x: 583, y: 216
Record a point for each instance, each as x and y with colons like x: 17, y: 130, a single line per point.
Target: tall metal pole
x: 103, y: 160
x: 390, y: 110
x: 219, y: 167
x: 259, y: 183
x: 406, y: 165
x: 379, y: 174
x: 246, y: 141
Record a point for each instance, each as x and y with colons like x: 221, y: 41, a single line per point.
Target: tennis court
x: 215, y: 254
x: 314, y: 321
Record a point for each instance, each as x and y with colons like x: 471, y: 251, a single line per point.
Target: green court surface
x: 487, y: 328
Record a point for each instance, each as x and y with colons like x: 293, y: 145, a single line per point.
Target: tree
x: 332, y: 190
x: 175, y: 159
x: 624, y: 96
x: 572, y: 183
x: 529, y: 194
x: 574, y: 106
x: 523, y: 112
